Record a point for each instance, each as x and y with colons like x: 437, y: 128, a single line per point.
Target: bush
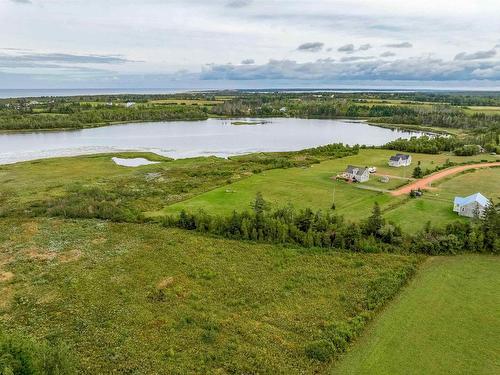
x: 320, y: 350
x: 468, y: 150
x: 20, y: 355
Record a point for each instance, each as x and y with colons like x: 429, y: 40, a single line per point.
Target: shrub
x: 20, y: 355
x: 320, y: 350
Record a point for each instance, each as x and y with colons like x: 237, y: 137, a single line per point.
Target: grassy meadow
x: 131, y: 298
x: 445, y: 322
x: 25, y: 186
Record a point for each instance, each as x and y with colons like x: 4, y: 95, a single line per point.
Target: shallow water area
x: 133, y: 162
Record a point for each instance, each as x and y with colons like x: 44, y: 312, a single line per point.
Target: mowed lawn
x: 447, y: 321
x: 314, y: 187
x: 142, y: 299
x: 303, y: 187
x: 436, y: 205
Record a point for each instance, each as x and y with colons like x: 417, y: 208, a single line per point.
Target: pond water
x: 133, y: 162
x: 181, y: 139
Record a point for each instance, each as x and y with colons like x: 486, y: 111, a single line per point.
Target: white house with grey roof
x: 471, y: 206
x: 357, y: 173
x: 400, y: 160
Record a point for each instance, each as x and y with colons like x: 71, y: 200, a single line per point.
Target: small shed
x: 384, y: 179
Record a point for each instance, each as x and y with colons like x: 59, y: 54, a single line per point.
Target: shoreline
x: 262, y: 119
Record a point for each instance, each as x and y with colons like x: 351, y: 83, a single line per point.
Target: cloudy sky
x: 249, y: 43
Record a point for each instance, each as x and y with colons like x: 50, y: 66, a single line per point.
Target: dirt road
x: 424, y: 182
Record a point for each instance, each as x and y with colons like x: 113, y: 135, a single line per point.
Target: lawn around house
x: 436, y: 204
x: 445, y: 322
x: 314, y: 187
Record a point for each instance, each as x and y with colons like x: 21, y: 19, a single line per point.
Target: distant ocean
x: 29, y: 93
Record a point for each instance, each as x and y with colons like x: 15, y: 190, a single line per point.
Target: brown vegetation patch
x: 99, y: 241
x: 30, y: 228
x: 70, y: 256
x: 48, y: 297
x: 165, y: 283
x: 5, y: 259
x: 36, y: 254
x: 6, y: 276
x: 7, y: 294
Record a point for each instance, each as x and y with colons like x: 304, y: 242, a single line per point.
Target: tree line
x: 308, y: 228
x: 90, y: 117
x: 467, y: 146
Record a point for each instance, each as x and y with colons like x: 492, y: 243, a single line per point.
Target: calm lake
x: 180, y: 139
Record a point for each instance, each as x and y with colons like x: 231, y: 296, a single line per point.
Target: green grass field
x: 489, y: 110
x: 446, y: 321
x: 186, y: 101
x: 314, y: 187
x: 131, y: 298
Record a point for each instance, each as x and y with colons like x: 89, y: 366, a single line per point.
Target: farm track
x: 424, y: 182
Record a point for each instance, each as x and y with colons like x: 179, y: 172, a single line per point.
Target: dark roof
x: 350, y: 169
x: 400, y: 156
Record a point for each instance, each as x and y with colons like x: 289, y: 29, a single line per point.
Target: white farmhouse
x: 129, y: 104
x: 400, y: 160
x: 357, y: 173
x: 470, y: 206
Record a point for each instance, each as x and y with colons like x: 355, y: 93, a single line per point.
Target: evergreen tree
x: 417, y: 172
x: 491, y: 229
x: 259, y: 205
x: 375, y: 222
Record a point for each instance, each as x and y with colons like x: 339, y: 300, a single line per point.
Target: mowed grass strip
x: 131, y: 298
x: 446, y: 321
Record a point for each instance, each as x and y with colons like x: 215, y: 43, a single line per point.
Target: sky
x: 249, y: 44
